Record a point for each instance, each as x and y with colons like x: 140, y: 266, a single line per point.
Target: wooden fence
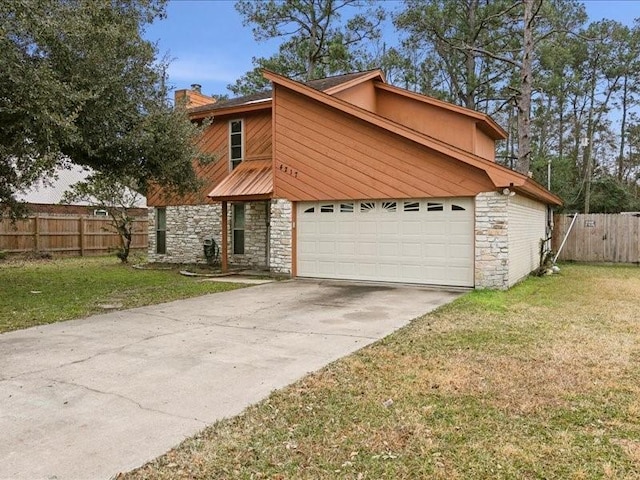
x: 67, y: 235
x: 599, y: 237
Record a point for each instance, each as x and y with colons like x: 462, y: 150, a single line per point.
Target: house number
x: 288, y: 170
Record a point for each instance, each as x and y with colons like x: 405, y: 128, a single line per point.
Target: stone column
x: 492, y: 241
x: 280, y: 242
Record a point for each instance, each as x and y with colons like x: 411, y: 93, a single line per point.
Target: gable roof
x: 500, y: 176
x: 260, y: 100
x: 487, y: 124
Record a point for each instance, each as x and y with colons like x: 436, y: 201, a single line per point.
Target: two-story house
x: 349, y: 177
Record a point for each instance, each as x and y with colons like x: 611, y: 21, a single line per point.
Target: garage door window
x: 435, y: 207
x: 346, y: 207
x: 326, y: 208
x: 411, y: 206
x: 389, y: 206
x: 367, y: 207
x: 457, y: 208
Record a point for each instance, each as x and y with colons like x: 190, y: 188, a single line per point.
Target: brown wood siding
x: 485, y: 146
x: 257, y: 130
x: 440, y: 123
x: 362, y: 95
x: 321, y: 154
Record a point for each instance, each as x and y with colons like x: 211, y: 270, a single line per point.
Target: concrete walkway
x: 88, y: 398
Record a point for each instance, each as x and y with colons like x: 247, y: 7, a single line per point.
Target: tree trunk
x: 470, y: 60
x: 623, y: 127
x: 524, y: 99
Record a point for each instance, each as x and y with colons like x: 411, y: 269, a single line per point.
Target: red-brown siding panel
x: 257, y: 128
x: 331, y: 155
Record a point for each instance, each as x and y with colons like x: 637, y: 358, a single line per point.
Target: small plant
x: 3, y: 254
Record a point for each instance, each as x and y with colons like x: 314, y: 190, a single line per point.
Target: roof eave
x: 233, y: 110
x: 374, y: 74
x: 241, y: 198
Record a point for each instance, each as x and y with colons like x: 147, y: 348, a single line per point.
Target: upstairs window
x: 236, y: 143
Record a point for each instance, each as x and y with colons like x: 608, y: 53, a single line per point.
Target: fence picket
x: 599, y: 238
x: 74, y: 235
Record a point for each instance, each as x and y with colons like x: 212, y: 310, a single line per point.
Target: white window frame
x: 161, y: 230
x: 238, y: 160
x: 234, y: 228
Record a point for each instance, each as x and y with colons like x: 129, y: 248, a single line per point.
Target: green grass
x: 39, y: 292
x: 542, y: 381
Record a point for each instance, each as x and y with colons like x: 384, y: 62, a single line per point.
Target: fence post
x: 81, y: 227
x: 36, y: 233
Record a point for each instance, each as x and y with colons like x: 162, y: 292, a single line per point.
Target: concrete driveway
x: 88, y: 398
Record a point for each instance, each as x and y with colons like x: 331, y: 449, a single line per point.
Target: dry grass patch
x: 542, y: 381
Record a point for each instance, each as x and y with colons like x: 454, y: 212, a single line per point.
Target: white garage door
x: 428, y: 241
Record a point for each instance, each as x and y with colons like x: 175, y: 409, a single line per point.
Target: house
x: 46, y: 195
x: 349, y: 177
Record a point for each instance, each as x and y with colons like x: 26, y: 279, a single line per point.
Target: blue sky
x: 208, y: 44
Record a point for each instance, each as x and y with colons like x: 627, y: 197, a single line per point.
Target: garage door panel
x: 434, y: 252
x: 388, y: 240
x: 326, y: 247
x: 411, y: 250
x: 326, y: 227
x: 411, y: 228
x: 367, y: 249
x: 367, y: 226
x: 307, y: 228
x: 345, y: 247
x: 389, y: 227
x: 346, y: 268
x: 346, y: 226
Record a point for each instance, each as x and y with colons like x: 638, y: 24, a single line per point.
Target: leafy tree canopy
x: 317, y: 41
x: 78, y: 83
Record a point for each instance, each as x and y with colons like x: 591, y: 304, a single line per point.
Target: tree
x: 115, y: 195
x: 450, y: 38
x: 486, y: 52
x: 78, y: 83
x: 317, y: 42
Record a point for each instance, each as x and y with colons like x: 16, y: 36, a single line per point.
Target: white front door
x: 423, y: 241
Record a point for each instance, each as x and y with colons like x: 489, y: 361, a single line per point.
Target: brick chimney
x: 193, y: 97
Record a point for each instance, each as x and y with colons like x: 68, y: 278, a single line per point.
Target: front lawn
x: 542, y: 381
x: 38, y: 292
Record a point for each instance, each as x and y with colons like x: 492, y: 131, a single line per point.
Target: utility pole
x: 586, y: 145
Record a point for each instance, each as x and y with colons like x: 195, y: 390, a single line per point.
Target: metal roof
x: 251, y: 180
x: 320, y: 84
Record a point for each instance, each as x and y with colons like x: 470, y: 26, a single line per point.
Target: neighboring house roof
x: 502, y: 177
x: 251, y: 180
x: 329, y: 85
x: 50, y: 190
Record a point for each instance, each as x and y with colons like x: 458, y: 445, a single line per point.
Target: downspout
x: 575, y: 217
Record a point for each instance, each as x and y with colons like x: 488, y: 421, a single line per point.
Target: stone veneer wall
x: 255, y: 236
x: 280, y: 244
x: 187, y: 228
x: 492, y: 241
